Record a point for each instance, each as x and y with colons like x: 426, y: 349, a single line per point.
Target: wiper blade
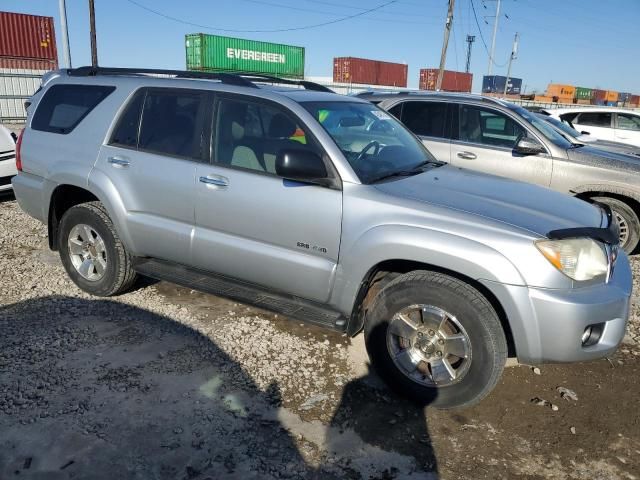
x: 401, y: 173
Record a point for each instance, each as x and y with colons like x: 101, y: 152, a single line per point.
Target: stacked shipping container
x: 495, y: 84
x: 27, y: 51
x: 369, y: 72
x: 451, y: 81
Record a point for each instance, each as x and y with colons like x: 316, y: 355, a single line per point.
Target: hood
x: 618, y: 147
x: 522, y: 205
x: 614, y: 158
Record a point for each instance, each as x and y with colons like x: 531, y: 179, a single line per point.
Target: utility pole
x: 65, y: 34
x: 470, y: 40
x: 445, y: 43
x: 94, y: 45
x: 493, y: 38
x: 514, y: 54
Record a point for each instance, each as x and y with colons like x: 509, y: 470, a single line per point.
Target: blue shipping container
x: 612, y: 104
x: 624, y: 97
x: 495, y: 84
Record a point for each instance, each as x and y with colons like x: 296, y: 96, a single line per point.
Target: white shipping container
x: 16, y: 86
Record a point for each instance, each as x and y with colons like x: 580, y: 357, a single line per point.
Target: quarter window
x: 425, y: 118
x: 171, y: 123
x: 126, y: 131
x: 251, y: 135
x: 628, y: 122
x: 594, y: 119
x: 488, y: 127
x: 64, y: 106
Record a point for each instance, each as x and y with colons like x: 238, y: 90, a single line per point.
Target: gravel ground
x: 166, y: 382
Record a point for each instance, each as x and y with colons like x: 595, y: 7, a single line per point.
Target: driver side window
x: 488, y: 127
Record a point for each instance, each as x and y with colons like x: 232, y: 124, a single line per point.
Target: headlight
x: 578, y: 258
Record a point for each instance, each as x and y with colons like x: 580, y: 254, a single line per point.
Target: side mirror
x: 585, y: 133
x: 301, y: 165
x: 529, y: 146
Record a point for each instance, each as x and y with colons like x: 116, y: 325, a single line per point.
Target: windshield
x: 543, y: 126
x: 375, y: 144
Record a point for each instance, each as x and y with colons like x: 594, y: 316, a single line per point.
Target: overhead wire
x: 233, y: 30
x: 473, y: 7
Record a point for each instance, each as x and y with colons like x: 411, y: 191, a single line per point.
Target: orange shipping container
x: 561, y: 91
x: 612, y: 96
x: 542, y: 98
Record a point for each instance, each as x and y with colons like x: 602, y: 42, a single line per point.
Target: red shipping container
x: 28, y: 64
x: 599, y: 95
x: 451, y: 81
x: 634, y: 100
x: 27, y: 36
x: 372, y: 72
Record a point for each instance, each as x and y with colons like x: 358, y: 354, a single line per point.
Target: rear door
x: 597, y: 124
x: 428, y: 120
x: 484, y: 139
x: 151, y: 159
x: 252, y: 224
x: 627, y: 128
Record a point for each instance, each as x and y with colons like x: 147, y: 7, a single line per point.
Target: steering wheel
x: 368, y: 147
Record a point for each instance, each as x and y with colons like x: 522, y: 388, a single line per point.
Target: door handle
x: 215, y: 180
x: 118, y: 162
x: 467, y: 155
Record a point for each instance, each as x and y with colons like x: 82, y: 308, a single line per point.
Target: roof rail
x: 227, y: 78
x: 238, y: 79
x: 285, y: 81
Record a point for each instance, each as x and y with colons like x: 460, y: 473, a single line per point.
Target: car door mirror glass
x: 529, y: 146
x: 585, y: 133
x: 301, y: 165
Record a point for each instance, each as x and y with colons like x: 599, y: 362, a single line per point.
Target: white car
x: 603, y: 123
x: 7, y: 158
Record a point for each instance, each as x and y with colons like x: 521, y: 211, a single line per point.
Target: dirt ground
x: 168, y: 383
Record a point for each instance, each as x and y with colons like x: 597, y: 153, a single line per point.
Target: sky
x: 587, y: 43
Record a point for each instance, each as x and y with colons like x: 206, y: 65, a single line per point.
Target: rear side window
x: 628, y: 122
x: 172, y: 123
x: 64, y: 106
x: 425, y: 118
x: 126, y: 132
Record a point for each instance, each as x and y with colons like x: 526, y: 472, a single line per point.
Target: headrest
x: 237, y: 130
x: 281, y: 126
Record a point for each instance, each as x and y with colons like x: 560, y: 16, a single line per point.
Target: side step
x: 288, y: 305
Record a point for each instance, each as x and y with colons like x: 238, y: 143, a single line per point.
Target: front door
x: 252, y: 224
x: 151, y: 160
x: 484, y: 140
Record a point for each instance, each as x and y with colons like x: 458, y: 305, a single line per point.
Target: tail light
x: 18, y: 145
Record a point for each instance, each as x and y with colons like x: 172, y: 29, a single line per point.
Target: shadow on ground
x: 100, y: 389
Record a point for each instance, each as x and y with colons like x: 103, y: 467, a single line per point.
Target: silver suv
x: 498, y: 137
x: 324, y: 208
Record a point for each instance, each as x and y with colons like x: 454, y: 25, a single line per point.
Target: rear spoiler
x: 609, y: 235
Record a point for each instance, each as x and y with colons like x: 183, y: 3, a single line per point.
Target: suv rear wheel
x: 435, y: 339
x: 92, y: 253
x: 627, y: 219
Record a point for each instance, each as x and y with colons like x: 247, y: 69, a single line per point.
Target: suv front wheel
x: 92, y: 253
x: 435, y: 339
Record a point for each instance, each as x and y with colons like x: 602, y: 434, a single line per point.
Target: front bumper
x: 548, y: 324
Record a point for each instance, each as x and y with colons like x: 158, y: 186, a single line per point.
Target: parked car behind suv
x: 614, y: 124
x: 324, y: 208
x: 498, y: 137
x: 7, y: 158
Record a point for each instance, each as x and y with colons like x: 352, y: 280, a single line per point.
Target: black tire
x: 471, y: 309
x: 629, y: 217
x: 119, y: 275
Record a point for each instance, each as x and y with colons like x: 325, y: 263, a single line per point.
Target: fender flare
x: 605, y: 188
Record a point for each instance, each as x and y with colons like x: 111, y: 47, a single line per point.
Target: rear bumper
x: 28, y: 190
x: 7, y: 170
x: 548, y: 324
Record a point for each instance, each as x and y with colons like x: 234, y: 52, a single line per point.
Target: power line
x: 231, y: 30
x: 482, y: 37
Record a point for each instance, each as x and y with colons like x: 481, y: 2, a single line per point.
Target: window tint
x: 64, y: 106
x: 425, y: 118
x: 396, y: 111
x: 594, y: 119
x: 250, y: 135
x: 488, y: 127
x: 628, y: 122
x: 171, y: 123
x: 126, y: 131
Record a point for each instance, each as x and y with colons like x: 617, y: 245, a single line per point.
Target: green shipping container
x: 583, y: 93
x: 215, y: 53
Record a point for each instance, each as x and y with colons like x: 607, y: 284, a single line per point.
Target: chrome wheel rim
x: 623, y: 228
x: 429, y: 345
x: 87, y: 252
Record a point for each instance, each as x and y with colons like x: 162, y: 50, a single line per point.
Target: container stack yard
x: 451, y: 81
x: 27, y: 51
x: 568, y: 94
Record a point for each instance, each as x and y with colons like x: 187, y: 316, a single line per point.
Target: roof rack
x: 237, y: 79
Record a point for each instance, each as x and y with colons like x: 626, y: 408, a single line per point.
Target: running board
x: 284, y: 304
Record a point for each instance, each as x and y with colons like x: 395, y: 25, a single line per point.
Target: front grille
x: 5, y: 181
